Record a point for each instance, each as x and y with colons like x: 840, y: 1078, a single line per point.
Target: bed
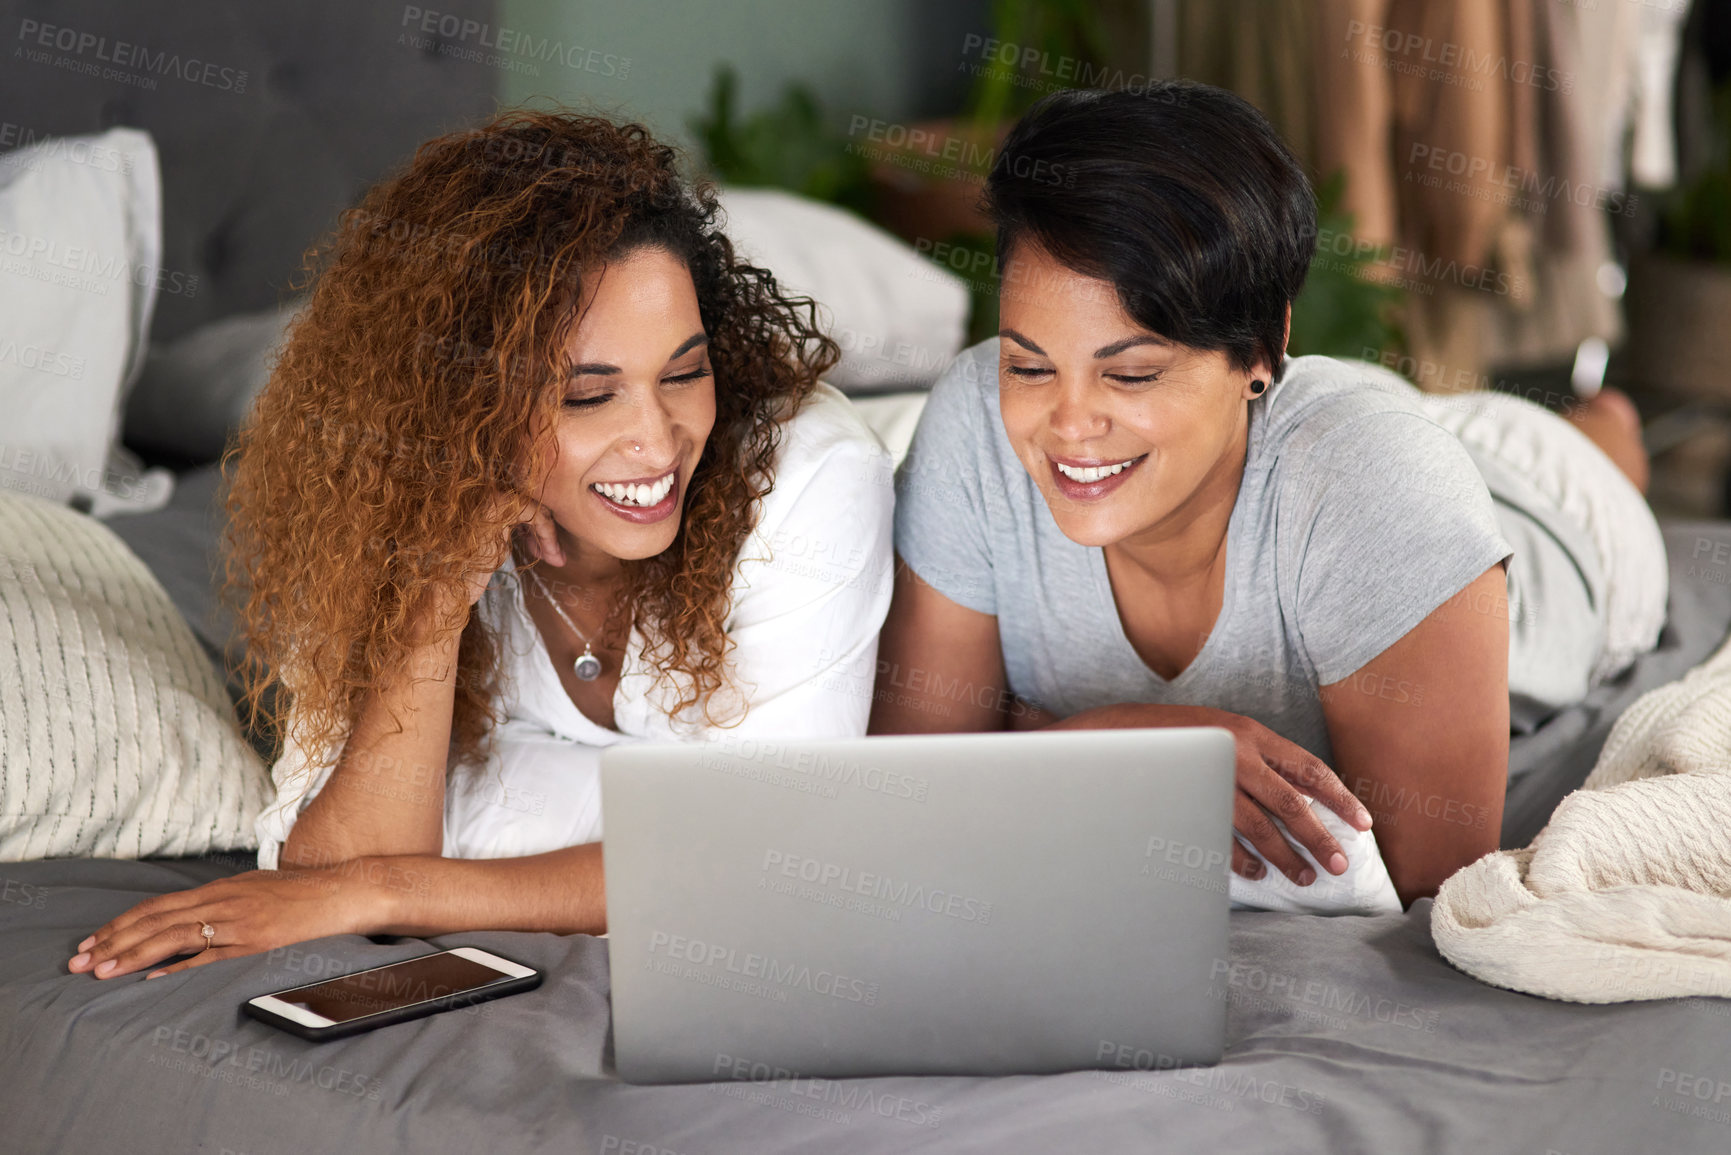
x: 1344, y: 1034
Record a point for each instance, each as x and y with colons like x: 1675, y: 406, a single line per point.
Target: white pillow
x: 117, y: 739
x: 898, y: 318
x: 1365, y: 888
x: 80, y: 254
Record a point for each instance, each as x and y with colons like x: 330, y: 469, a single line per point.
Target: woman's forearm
x: 561, y: 891
x: 386, y: 795
x: 407, y: 894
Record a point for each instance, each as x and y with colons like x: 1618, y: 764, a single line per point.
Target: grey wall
x: 321, y: 98
x: 291, y: 111
x: 895, y: 59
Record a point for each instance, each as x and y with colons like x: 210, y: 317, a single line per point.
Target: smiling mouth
x: 1090, y: 483
x: 637, y: 494
x: 1087, y: 475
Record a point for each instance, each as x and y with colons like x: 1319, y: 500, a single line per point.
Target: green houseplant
x: 790, y: 145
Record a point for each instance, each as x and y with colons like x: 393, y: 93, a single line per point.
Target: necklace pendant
x: 588, y: 666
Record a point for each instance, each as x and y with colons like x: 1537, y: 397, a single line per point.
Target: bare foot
x: 1611, y: 421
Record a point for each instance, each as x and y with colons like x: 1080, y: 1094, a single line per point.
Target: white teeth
x: 648, y: 494
x: 1092, y: 472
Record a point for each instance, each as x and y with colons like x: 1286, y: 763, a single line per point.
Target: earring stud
x: 1256, y: 387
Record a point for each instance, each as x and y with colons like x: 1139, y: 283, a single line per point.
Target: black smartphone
x: 411, y: 989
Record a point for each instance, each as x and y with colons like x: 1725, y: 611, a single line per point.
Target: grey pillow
x: 195, y: 392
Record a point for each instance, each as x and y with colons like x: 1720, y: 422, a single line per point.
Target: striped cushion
x: 117, y: 739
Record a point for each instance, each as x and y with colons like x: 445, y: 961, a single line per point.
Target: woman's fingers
x: 155, y: 942
x: 123, y: 926
x: 540, y: 538
x: 1284, y: 801
x: 1292, y: 776
x: 1253, y: 825
x: 544, y: 536
x: 1311, y: 775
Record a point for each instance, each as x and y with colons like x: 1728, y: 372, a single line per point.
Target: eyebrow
x: 602, y: 369
x: 1101, y: 353
x: 1118, y: 347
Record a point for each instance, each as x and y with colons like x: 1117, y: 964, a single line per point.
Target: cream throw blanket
x: 1626, y: 894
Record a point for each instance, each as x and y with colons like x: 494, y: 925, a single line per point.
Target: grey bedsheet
x: 1345, y: 1035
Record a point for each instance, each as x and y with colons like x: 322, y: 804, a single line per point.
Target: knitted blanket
x: 1626, y: 894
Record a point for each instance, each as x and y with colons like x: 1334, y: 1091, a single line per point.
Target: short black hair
x: 1180, y: 194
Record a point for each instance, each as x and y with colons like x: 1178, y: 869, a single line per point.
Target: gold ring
x: 209, y: 933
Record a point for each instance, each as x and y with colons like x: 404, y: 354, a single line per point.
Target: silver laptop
x: 970, y: 904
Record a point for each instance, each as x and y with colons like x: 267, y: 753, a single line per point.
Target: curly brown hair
x: 420, y: 380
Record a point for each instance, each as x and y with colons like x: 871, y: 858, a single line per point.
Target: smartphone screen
x: 390, y: 988
x: 393, y: 993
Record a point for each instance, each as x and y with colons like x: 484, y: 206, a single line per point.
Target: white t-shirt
x: 810, y: 592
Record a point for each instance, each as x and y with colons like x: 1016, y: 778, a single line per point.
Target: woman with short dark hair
x: 1131, y: 508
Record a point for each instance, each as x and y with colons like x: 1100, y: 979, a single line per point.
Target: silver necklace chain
x: 587, y: 667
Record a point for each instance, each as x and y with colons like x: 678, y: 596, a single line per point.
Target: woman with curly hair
x: 542, y: 467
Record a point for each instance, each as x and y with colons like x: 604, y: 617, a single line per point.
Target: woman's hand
x: 540, y: 535
x: 562, y: 891
x: 1277, y: 778
x: 250, y: 912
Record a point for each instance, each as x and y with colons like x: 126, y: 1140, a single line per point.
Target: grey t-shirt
x: 1357, y: 516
